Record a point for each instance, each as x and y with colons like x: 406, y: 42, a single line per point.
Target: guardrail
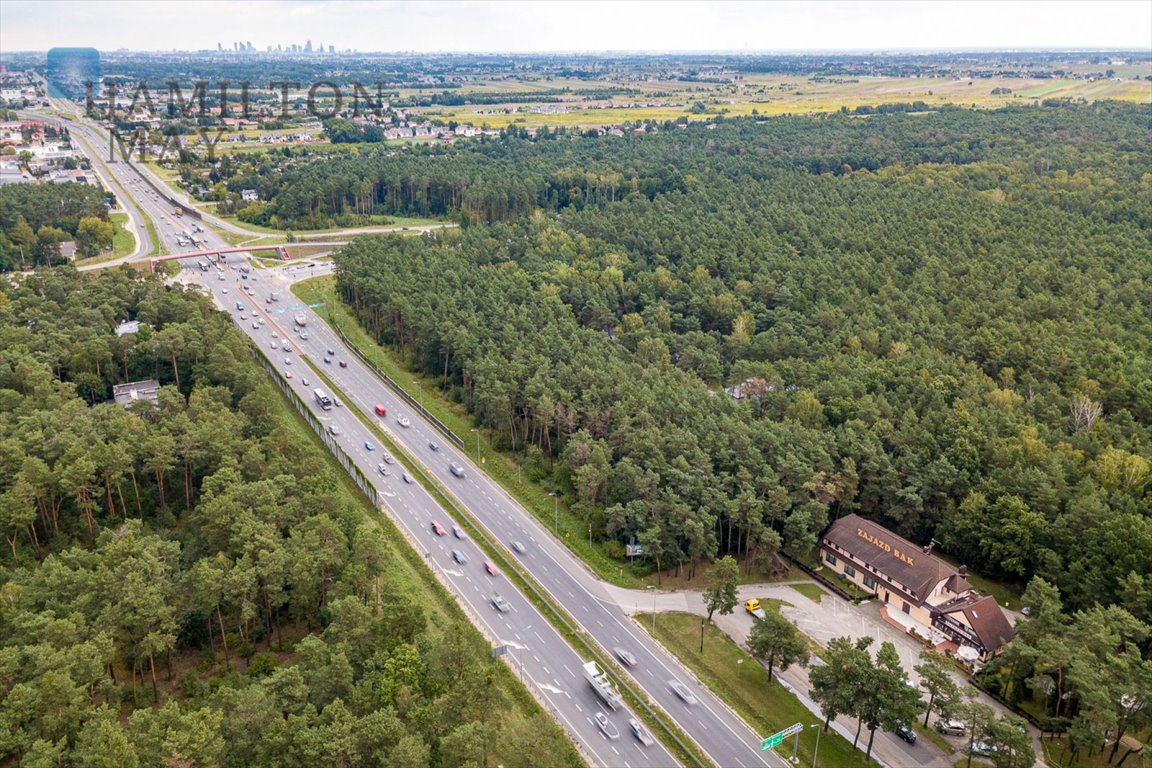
x: 452, y: 437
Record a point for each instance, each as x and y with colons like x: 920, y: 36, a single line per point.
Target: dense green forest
x: 941, y: 321
x: 189, y: 582
x: 36, y: 218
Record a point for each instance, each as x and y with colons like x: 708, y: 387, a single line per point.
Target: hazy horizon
x: 567, y: 27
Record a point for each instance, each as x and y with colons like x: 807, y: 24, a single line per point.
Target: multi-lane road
x: 547, y: 663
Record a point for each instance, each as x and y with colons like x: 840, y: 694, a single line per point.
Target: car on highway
x: 337, y: 401
x: 500, y: 603
x: 332, y: 352
x: 404, y: 421
x: 328, y: 360
x: 388, y: 457
x: 519, y: 547
x: 287, y: 361
x: 437, y: 528
x: 625, y: 656
x: 606, y: 726
x: 303, y: 336
x: 639, y: 732
x: 255, y: 326
x: 906, y: 733
x: 275, y: 335
x: 223, y: 290
x: 682, y: 691
x: 267, y: 301
x: 368, y: 446
x: 407, y: 478
x: 287, y: 374
x: 435, y: 446
x: 383, y: 470
x: 459, y: 557
x: 457, y: 531
x: 304, y: 381
x: 343, y: 364
x: 333, y: 430
x: 492, y: 569
x: 456, y: 469
x: 243, y: 316
x: 380, y: 410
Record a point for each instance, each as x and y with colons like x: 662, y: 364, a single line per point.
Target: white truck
x: 601, y: 684
x: 301, y: 320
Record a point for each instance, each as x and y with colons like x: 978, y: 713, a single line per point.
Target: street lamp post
x: 818, y: 729
x: 555, y: 514
x: 477, y: 445
x: 653, y: 608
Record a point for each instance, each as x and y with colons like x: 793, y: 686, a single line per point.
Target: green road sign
x: 774, y: 740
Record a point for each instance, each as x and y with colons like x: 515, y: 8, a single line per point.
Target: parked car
x: 906, y: 733
x: 982, y: 749
x: 950, y: 727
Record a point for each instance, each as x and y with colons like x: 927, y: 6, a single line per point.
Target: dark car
x: 906, y: 733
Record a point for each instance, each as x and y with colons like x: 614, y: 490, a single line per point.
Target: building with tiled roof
x: 920, y: 591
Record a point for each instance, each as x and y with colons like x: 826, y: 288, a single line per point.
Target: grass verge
x: 551, y: 511
x: 439, y: 606
x: 810, y: 591
x: 742, y: 683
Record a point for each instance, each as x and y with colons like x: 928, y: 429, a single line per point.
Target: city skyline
x: 537, y: 27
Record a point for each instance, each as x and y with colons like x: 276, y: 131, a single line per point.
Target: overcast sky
x: 587, y: 25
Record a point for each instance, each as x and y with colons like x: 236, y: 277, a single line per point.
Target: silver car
x: 682, y: 691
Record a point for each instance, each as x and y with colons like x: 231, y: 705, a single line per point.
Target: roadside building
x: 127, y: 394
x: 922, y: 594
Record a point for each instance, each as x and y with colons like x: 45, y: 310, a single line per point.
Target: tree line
x: 188, y: 581
x: 36, y: 218
x: 937, y: 321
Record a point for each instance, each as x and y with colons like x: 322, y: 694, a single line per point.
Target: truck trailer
x: 601, y: 684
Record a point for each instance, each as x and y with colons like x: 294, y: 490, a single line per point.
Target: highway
x: 545, y: 660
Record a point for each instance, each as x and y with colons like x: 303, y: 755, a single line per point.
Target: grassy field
x: 742, y: 683
x: 810, y: 591
x: 122, y: 240
x: 775, y: 95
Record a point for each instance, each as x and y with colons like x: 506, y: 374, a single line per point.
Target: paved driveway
x: 831, y: 617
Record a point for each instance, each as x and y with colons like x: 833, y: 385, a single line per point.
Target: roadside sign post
x: 776, y: 739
